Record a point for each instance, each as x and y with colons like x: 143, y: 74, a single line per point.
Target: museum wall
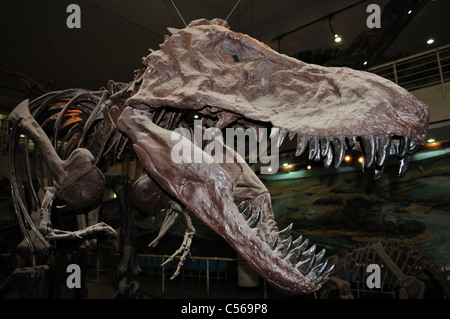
x: 437, y: 99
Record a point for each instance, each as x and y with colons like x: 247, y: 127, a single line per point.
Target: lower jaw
x: 274, y: 270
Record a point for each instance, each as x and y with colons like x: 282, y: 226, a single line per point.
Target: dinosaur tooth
x: 404, y: 164
x: 287, y: 248
x: 255, y: 218
x: 297, y: 242
x: 283, y: 234
x: 273, y: 244
x: 295, y: 255
x: 384, y: 147
x: 314, y: 149
x: 309, y: 252
x: 324, y: 145
x: 241, y: 207
x: 394, y: 149
x: 378, y: 172
x: 305, y: 244
x: 370, y: 148
x: 291, y: 257
x: 404, y: 144
x: 247, y: 212
x: 413, y: 147
x: 291, y: 136
x: 281, y: 137
x: 320, y: 255
x: 328, y: 271
x: 318, y: 269
x: 305, y: 266
x: 351, y: 140
x: 328, y: 159
x: 274, y: 132
x: 315, y: 279
x: 339, y: 150
x: 302, y: 142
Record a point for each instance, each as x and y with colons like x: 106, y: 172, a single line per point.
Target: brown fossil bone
x: 78, y: 182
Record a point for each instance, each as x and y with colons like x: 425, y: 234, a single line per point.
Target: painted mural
x: 338, y: 210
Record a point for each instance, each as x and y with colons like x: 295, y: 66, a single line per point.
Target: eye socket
x: 236, y: 58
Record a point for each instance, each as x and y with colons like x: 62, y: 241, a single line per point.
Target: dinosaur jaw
x: 288, y: 265
x: 375, y: 149
x: 210, y: 192
x: 196, y: 68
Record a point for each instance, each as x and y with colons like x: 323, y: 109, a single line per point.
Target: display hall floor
x: 151, y: 287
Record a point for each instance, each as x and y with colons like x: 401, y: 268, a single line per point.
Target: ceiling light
x: 365, y: 63
x: 410, y: 11
x: 337, y: 37
x: 308, y: 167
x: 430, y: 41
x: 195, y: 116
x: 431, y: 140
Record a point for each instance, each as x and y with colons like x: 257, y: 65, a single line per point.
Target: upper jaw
x: 307, y: 99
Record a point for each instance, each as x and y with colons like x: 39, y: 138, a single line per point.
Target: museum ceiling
x: 41, y: 53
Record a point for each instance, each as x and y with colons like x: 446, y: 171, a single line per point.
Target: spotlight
x: 195, y: 116
x: 308, y: 167
x: 337, y: 38
x: 430, y: 41
x: 431, y: 140
x: 410, y: 11
x: 365, y: 63
x: 361, y: 160
x: 347, y: 158
x: 285, y: 164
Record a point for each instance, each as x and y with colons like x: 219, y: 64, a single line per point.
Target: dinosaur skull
x: 238, y: 80
x: 211, y: 69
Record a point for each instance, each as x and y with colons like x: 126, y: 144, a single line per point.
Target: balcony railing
x: 420, y: 70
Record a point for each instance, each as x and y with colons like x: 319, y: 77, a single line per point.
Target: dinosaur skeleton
x: 400, y: 262
x: 233, y: 80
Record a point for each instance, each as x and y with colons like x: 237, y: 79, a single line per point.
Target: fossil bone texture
x: 233, y: 80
